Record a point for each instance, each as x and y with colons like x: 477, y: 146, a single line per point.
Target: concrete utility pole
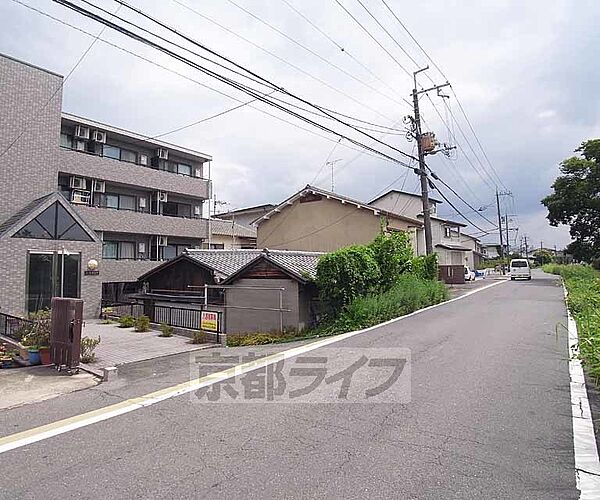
x: 526, y: 248
x: 422, y: 172
x: 500, y: 230
x: 507, y: 236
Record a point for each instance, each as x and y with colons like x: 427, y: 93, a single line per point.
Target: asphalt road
x: 489, y: 417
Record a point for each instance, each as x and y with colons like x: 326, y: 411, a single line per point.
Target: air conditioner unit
x: 162, y: 196
x: 80, y: 146
x: 198, y: 210
x: 162, y: 153
x: 82, y: 132
x: 141, y: 247
x: 198, y: 173
x: 80, y: 197
x: 142, y: 202
x: 78, y: 183
x: 98, y: 186
x: 99, y: 136
x: 143, y: 159
x: 162, y: 241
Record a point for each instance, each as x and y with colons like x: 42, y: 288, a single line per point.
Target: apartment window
x: 110, y: 250
x: 169, y: 252
x: 112, y: 201
x: 447, y: 232
x: 120, y: 201
x: 126, y: 250
x: 173, y: 209
x: 111, y: 152
x: 66, y: 141
x: 184, y: 169
x: 217, y: 246
x: 129, y: 156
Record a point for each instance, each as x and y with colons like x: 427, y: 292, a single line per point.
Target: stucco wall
x: 249, y: 321
x: 403, y: 204
x: 322, y: 226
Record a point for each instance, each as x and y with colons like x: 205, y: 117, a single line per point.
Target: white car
x: 519, y: 268
x: 469, y: 275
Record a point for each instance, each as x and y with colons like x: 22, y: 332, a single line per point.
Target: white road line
x: 36, y: 434
x: 587, y: 464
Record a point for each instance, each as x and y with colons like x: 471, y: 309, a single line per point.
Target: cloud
x: 523, y: 70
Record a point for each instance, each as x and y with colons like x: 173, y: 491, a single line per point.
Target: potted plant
x: 38, y: 338
x: 5, y: 358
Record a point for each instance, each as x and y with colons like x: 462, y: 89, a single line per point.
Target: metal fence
x: 124, y: 309
x: 176, y: 316
x: 13, y: 326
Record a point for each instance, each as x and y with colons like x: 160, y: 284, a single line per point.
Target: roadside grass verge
x: 583, y: 300
x: 409, y: 294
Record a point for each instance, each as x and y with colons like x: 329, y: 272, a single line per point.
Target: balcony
x: 125, y: 221
x: 98, y: 167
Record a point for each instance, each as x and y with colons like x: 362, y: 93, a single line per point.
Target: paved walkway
x: 124, y: 345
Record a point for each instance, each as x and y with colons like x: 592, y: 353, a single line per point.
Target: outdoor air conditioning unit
x: 198, y: 173
x: 162, y: 241
x: 197, y: 210
x: 80, y: 197
x: 99, y: 136
x: 143, y: 159
x: 162, y: 196
x: 82, y: 132
x: 162, y: 153
x: 98, y: 186
x: 78, y: 183
x: 141, y: 247
x: 142, y: 202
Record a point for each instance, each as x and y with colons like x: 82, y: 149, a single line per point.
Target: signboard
x: 209, y: 321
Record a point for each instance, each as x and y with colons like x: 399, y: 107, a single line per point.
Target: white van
x: 519, y: 268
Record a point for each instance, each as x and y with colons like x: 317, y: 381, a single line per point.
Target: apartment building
x: 85, y: 207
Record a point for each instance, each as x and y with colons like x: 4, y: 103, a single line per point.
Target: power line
x: 226, y: 80
x: 58, y: 88
x: 181, y: 75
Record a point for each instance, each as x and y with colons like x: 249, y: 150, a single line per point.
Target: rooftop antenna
x: 332, y: 163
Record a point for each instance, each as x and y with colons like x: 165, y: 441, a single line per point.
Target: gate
x: 65, y: 337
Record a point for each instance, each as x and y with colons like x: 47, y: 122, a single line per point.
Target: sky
x: 524, y: 72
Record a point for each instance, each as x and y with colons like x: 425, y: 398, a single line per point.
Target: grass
x: 408, y: 295
x: 583, y: 285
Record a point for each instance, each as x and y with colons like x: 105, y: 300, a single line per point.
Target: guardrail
x: 12, y: 326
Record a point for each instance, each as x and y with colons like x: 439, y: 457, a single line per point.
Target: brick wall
x: 30, y: 102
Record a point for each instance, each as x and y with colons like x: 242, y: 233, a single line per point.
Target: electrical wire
x: 226, y: 80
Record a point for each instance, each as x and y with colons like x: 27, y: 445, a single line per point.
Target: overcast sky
x: 525, y: 72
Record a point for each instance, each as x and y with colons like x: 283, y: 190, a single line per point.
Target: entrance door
x: 52, y: 274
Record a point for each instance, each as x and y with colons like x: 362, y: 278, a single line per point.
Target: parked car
x: 479, y: 274
x: 519, y: 268
x: 469, y: 275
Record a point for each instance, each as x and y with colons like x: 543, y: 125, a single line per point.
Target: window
x: 217, y: 246
x: 54, y: 223
x: 127, y: 202
x: 127, y: 250
x: 51, y: 274
x: 173, y: 209
x: 169, y: 252
x: 119, y: 201
x: 127, y: 155
x: 66, y: 141
x: 184, y: 169
x: 110, y: 250
x: 111, y: 152
x: 447, y: 232
x: 112, y: 201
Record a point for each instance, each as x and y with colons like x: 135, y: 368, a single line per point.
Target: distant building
x: 246, y: 216
x: 229, y: 235
x: 317, y: 220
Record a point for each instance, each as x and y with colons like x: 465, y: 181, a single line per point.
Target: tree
x: 576, y: 200
x: 393, y: 253
x: 542, y: 256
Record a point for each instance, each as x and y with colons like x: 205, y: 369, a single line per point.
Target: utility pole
x: 500, y: 230
x: 507, y: 236
x: 526, y: 248
x: 422, y: 151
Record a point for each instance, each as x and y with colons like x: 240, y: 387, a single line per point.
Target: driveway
x: 488, y: 416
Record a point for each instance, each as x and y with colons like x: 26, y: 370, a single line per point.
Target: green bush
x: 583, y: 286
x: 425, y: 267
x: 253, y: 339
x: 165, y: 330
x: 142, y: 324
x: 344, y: 275
x: 37, y: 333
x: 199, y: 337
x: 393, y: 254
x: 409, y: 294
x: 88, y: 346
x: 126, y: 321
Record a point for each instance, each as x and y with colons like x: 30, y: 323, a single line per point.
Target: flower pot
x: 24, y: 353
x: 6, y: 362
x: 45, y: 356
x: 34, y: 357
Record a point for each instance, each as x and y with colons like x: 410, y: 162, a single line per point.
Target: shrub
x: 253, y: 339
x: 425, y: 267
x: 344, y: 275
x: 142, y: 324
x: 408, y: 295
x: 165, y: 330
x: 199, y: 337
x: 38, y: 332
x: 126, y: 321
x: 88, y: 346
x: 393, y: 254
